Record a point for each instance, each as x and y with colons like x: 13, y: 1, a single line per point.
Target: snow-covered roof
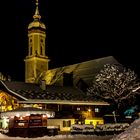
x: 27, y: 111
x: 84, y: 71
x: 32, y: 93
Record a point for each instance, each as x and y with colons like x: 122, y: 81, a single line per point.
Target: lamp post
x: 114, y: 116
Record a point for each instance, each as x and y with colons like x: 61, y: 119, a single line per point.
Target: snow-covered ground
x: 59, y: 137
x: 131, y: 133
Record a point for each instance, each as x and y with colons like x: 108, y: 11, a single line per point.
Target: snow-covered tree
x: 115, y: 84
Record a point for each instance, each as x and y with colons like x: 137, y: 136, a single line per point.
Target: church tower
x: 36, y: 62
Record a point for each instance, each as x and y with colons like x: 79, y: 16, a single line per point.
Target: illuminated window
x: 96, y: 109
x: 67, y: 123
x: 78, y: 108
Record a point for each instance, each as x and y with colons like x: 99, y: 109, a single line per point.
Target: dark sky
x: 77, y: 31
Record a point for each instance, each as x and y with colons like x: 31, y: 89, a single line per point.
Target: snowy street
x: 60, y: 137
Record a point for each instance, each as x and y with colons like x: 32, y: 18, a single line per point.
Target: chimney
x: 43, y: 84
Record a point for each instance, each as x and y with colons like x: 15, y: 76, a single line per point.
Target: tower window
x: 30, y: 50
x: 41, y: 50
x: 41, y: 40
x: 36, y: 53
x: 30, y: 40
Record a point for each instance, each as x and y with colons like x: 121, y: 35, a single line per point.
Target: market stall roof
x: 23, y: 111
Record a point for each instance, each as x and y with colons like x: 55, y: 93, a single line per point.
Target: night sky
x: 77, y: 31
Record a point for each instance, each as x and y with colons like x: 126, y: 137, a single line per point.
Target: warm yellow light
x: 94, y: 121
x: 21, y: 118
x: 44, y: 116
x: 89, y: 110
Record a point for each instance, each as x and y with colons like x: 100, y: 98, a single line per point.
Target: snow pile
x: 82, y: 128
x: 131, y: 133
x: 3, y: 136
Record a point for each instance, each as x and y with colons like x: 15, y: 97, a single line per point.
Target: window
x: 30, y: 50
x: 41, y: 40
x: 96, y: 109
x: 30, y: 40
x: 78, y: 108
x: 91, y: 123
x: 67, y: 123
x: 41, y: 50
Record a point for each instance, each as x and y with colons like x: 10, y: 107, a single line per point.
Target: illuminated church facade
x: 62, y: 89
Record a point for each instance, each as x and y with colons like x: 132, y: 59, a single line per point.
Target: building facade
x: 62, y: 90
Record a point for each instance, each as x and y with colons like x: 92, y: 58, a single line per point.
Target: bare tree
x: 115, y: 84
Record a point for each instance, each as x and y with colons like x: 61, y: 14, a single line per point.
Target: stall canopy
x: 24, y: 111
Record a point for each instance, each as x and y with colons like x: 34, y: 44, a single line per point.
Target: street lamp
x: 114, y: 116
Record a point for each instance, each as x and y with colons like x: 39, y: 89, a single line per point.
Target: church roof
x: 85, y: 71
x: 54, y: 93
x: 32, y: 93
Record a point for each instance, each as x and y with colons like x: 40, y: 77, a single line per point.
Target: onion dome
x: 36, y: 22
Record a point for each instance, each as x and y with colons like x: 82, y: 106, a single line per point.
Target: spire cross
x: 36, y: 2
x: 36, y: 15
